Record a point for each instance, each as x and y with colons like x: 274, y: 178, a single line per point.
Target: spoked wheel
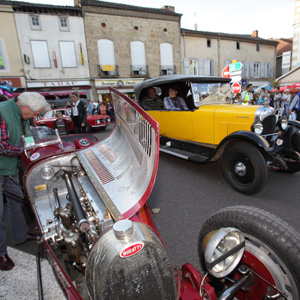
x: 272, y: 251
x: 244, y: 168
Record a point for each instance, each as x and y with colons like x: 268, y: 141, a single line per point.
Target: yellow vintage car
x: 249, y: 138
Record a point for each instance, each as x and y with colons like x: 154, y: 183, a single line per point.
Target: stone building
x: 11, y: 67
x: 207, y: 53
x: 53, y: 48
x: 127, y: 44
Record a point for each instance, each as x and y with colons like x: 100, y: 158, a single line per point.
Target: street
x: 187, y: 194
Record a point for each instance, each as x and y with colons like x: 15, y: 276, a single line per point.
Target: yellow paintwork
x: 209, y: 124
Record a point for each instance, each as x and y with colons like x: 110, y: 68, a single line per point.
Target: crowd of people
x: 281, y: 101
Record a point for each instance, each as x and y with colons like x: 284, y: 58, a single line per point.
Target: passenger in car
x: 174, y: 102
x: 152, y: 101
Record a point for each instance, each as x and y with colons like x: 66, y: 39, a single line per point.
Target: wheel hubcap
x: 240, y: 169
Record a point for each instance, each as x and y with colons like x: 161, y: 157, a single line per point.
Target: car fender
x: 294, y: 123
x: 246, y: 136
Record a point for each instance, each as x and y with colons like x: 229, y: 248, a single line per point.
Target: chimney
x: 77, y: 3
x: 255, y: 34
x: 168, y: 7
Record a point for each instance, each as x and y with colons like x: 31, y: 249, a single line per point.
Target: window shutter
x: 166, y: 54
x: 212, y: 67
x: 138, y: 58
x: 271, y: 71
x: 68, y: 56
x: 201, y: 66
x: 251, y: 69
x: 186, y: 63
x: 106, y: 52
x: 262, y: 70
x: 40, y: 54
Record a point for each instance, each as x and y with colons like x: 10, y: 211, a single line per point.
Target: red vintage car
x: 93, y: 121
x: 90, y: 201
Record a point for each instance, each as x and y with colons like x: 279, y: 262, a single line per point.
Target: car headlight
x: 223, y: 250
x: 98, y: 121
x: 284, y: 123
x: 258, y: 128
x: 108, y: 119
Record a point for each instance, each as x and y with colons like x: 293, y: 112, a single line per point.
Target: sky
x: 272, y: 18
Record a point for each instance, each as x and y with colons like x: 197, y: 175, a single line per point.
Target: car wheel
x: 88, y: 128
x: 272, y: 251
x: 244, y: 168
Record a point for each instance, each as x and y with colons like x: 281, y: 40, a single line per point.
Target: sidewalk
x: 21, y: 282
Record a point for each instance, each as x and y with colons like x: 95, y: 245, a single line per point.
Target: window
x: 257, y: 47
x: 35, y: 23
x: 138, y: 59
x: 166, y: 59
x: 67, y: 52
x: 106, y: 57
x: 208, y: 42
x: 106, y: 52
x: 40, y: 54
x: 254, y: 70
x: 64, y: 24
x: 238, y: 45
x: 3, y: 57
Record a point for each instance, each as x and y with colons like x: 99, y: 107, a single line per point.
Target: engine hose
x: 83, y: 224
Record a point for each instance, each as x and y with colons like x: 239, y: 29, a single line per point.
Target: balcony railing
x: 167, y: 70
x: 108, y: 70
x: 139, y: 71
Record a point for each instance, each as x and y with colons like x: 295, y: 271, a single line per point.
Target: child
x: 61, y: 124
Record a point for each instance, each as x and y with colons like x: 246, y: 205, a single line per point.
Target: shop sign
x: 117, y: 83
x: 57, y: 83
x: 107, y: 68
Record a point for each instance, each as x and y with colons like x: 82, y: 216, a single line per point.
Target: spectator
x: 110, y: 111
x: 152, y: 101
x: 247, y: 96
x: 295, y: 106
x: 261, y: 97
x: 277, y: 99
x: 68, y: 105
x: 61, y: 124
x: 267, y: 98
x: 14, y: 119
x: 102, y: 109
x: 89, y: 107
x: 78, y: 113
x: 53, y: 106
x: 174, y: 102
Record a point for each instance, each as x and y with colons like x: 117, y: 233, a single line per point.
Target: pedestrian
x: 267, y: 98
x: 295, y: 106
x: 247, y: 96
x: 68, y: 105
x: 61, y: 124
x: 110, y: 111
x: 53, y: 106
x: 277, y: 99
x: 261, y: 97
x: 89, y: 107
x: 78, y: 113
x: 14, y: 119
x: 102, y: 108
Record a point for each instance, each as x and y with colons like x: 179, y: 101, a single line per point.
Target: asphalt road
x: 187, y: 194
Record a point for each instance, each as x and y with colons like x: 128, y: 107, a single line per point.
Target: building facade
x: 127, y: 44
x: 296, y: 38
x: 208, y: 53
x: 53, y: 48
x: 11, y: 67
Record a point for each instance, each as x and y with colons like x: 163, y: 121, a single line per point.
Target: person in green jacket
x: 14, y: 122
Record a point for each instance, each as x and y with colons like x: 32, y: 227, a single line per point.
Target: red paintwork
x: 49, y: 118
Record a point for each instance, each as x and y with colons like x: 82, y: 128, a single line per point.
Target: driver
x: 14, y: 119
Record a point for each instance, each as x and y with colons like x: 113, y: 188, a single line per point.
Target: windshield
x: 41, y: 136
x: 205, y: 93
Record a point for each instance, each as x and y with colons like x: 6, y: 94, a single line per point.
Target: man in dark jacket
x: 78, y: 113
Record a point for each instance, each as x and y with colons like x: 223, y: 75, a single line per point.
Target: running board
x: 195, y: 158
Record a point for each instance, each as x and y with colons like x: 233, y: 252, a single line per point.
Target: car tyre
x: 292, y: 159
x: 244, y: 168
x: 274, y: 244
